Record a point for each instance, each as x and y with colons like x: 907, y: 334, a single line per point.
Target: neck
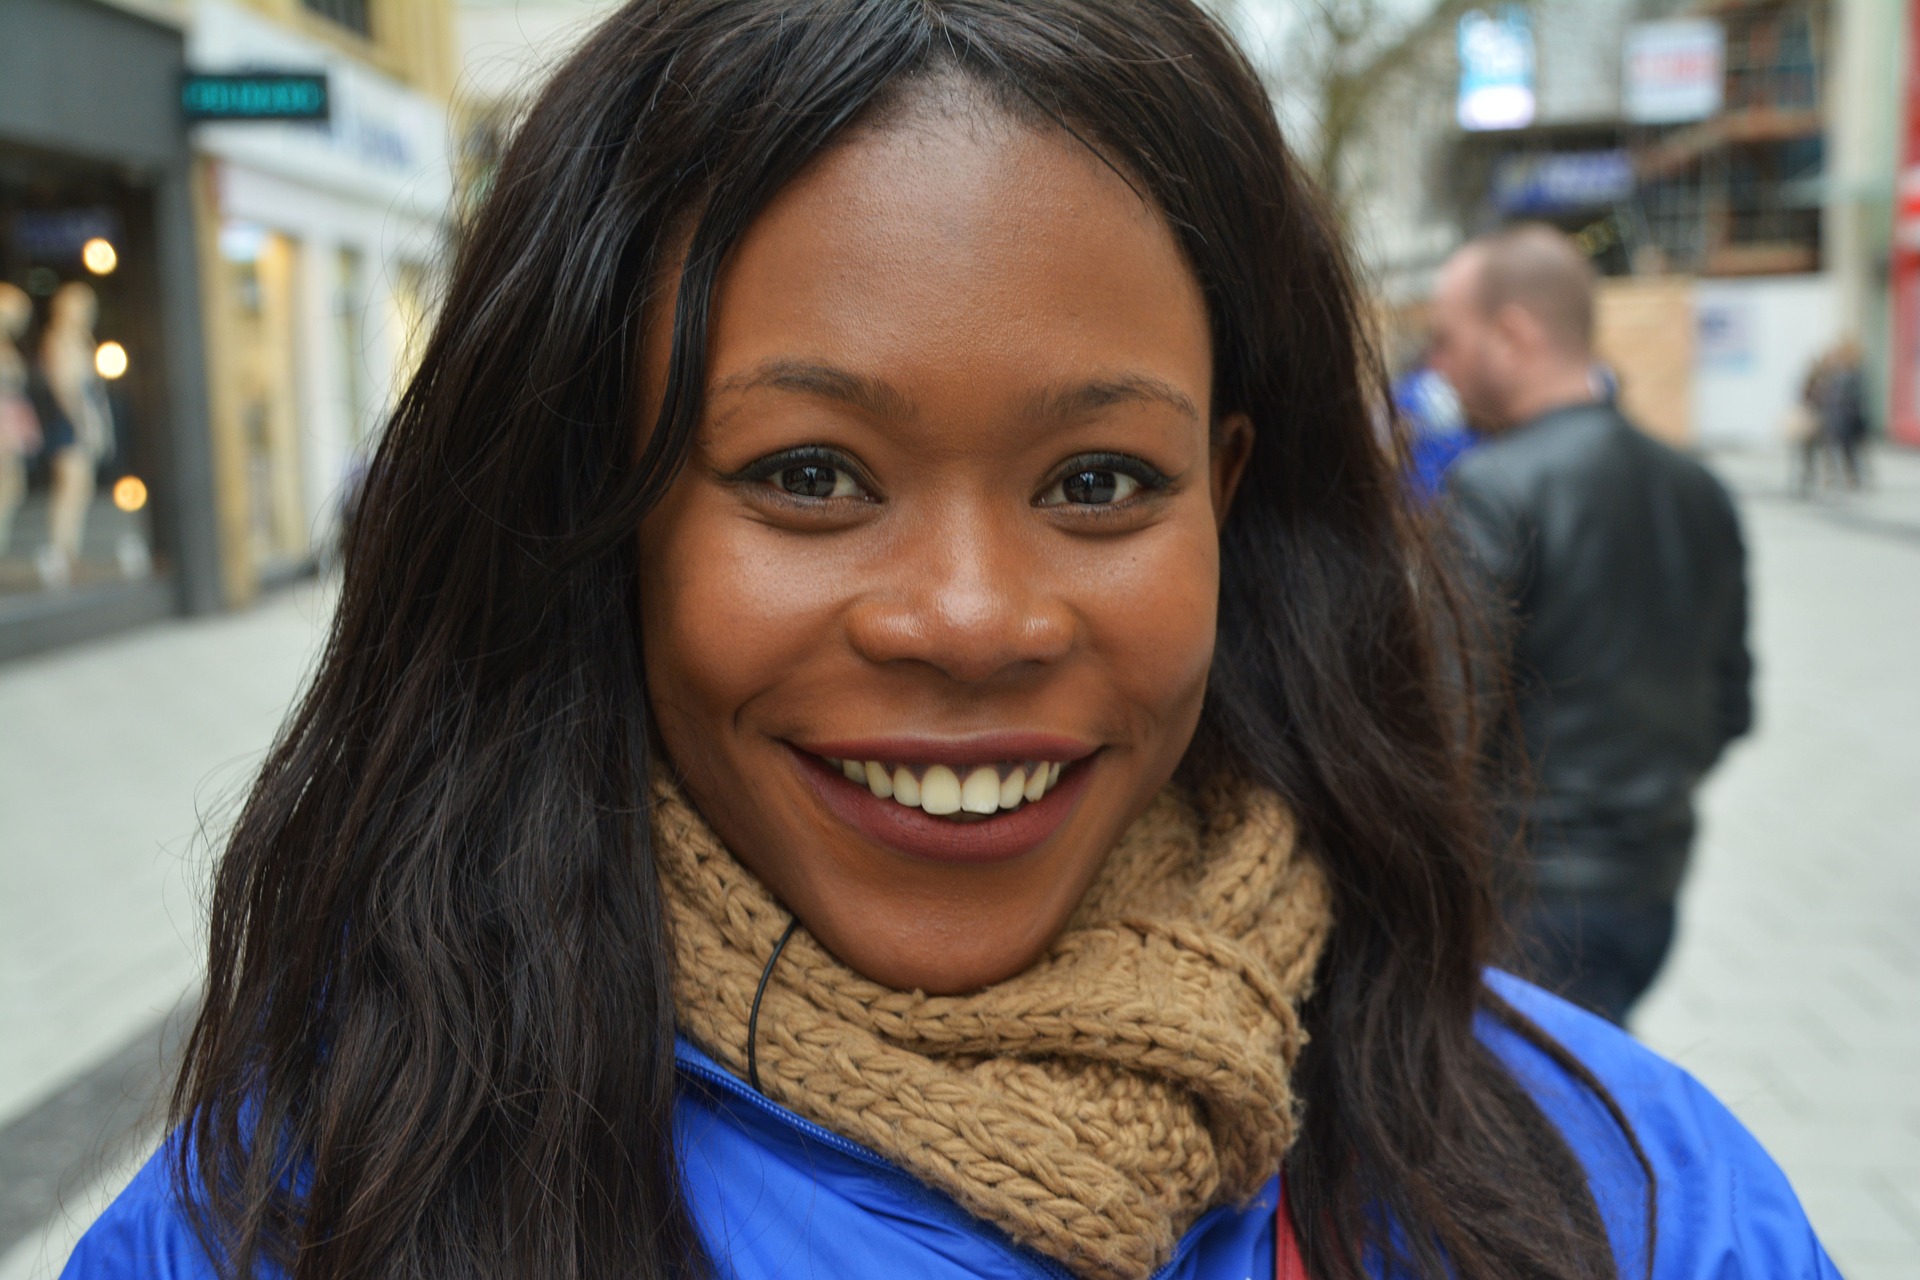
x: 1561, y: 388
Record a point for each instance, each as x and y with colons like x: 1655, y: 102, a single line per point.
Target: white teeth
x: 940, y: 791
x: 980, y: 793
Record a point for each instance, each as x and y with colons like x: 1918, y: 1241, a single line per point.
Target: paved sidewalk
x: 1794, y: 992
x: 119, y: 762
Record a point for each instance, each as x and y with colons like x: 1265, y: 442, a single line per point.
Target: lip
x: 918, y: 834
x: 979, y: 748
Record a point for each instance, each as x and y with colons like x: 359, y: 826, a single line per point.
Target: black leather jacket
x: 1623, y: 563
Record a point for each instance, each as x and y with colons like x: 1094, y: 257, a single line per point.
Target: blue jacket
x: 777, y: 1196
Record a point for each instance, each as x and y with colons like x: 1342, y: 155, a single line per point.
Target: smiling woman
x: 886, y: 718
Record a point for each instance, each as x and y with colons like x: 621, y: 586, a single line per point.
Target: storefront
x: 105, y: 473
x: 319, y: 242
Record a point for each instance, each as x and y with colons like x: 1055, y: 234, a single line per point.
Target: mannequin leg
x: 67, y: 504
x: 13, y: 487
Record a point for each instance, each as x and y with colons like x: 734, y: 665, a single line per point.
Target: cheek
x: 723, y: 618
x: 1151, y: 618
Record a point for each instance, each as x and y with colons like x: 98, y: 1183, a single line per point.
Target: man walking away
x: 1618, y: 566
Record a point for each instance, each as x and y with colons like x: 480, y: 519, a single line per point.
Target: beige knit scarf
x: 1091, y: 1107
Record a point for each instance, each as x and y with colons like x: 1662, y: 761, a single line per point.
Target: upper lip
x: 980, y: 748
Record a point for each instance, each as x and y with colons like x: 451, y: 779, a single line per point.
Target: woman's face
x: 928, y: 614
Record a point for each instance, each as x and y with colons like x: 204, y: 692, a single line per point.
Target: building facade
x: 319, y: 247
x: 106, y: 487
x: 1727, y: 164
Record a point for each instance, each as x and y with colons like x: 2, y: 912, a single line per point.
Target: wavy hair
x: 437, y: 1037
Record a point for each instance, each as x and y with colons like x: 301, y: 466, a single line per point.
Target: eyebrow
x: 810, y: 377
x: 882, y: 400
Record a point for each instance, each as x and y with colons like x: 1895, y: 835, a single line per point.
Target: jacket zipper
x: 846, y: 1146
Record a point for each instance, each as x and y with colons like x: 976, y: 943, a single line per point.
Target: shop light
x: 129, y: 493
x: 99, y: 256
x: 109, y: 360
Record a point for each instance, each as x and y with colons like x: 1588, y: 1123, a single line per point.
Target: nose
x: 972, y: 596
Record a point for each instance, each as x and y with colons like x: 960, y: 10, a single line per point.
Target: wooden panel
x: 1645, y: 332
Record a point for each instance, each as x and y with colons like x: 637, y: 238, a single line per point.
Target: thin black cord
x: 753, y: 1015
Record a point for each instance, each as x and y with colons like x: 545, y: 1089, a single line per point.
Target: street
x: 1794, y: 992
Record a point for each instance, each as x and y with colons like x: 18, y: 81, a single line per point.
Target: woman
x: 884, y: 720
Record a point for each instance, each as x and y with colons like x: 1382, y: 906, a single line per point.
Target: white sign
x: 1496, y: 69
x: 1674, y: 70
x: 385, y: 144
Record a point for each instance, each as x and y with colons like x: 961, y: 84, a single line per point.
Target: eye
x: 806, y: 475
x: 1101, y: 480
x: 818, y: 480
x: 1097, y: 488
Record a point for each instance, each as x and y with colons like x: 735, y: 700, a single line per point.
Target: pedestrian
x: 1436, y: 433
x: 1805, y: 433
x: 883, y: 721
x: 1840, y: 400
x: 1618, y: 567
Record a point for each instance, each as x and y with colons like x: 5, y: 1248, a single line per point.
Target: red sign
x: 1904, y: 422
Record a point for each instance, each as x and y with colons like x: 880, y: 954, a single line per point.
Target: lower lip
x: 919, y: 834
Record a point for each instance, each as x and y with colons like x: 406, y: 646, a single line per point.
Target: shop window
x: 261, y: 268
x: 351, y: 14
x: 81, y: 391
x: 1772, y: 193
x: 1772, y: 60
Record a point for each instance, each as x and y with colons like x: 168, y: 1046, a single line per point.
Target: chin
x: 939, y: 970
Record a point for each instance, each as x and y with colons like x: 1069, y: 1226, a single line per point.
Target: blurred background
x: 222, y: 228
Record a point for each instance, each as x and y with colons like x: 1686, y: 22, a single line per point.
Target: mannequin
x: 81, y: 434
x: 19, y: 426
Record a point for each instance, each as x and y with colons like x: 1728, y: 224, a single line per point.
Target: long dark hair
x: 437, y: 1033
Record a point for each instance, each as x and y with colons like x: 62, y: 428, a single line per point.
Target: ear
x: 1227, y: 461
x: 1519, y: 329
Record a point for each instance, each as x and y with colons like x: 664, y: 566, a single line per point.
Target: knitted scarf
x: 1091, y: 1107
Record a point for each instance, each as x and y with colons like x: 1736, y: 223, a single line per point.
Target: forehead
x: 961, y: 244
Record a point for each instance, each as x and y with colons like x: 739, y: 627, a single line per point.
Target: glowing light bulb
x: 99, y: 256
x: 129, y: 493
x: 109, y: 360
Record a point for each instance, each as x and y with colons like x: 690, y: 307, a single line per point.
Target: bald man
x: 1616, y: 568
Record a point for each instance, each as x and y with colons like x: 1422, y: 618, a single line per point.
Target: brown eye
x: 811, y: 480
x: 1091, y: 487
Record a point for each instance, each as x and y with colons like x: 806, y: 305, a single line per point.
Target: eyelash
x: 766, y: 471
x: 1149, y: 478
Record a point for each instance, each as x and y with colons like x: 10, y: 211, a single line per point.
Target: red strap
x: 1287, y: 1262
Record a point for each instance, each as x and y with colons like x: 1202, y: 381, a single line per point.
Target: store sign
x: 266, y: 95
x: 1562, y: 181
x: 1674, y: 71
x: 1496, y: 69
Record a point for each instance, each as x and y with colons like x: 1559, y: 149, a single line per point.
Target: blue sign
x: 1562, y: 181
x: 1496, y: 69
x: 265, y: 95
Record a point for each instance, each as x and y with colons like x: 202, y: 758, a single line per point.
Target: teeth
x: 986, y: 789
x: 940, y: 791
x: 980, y: 793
